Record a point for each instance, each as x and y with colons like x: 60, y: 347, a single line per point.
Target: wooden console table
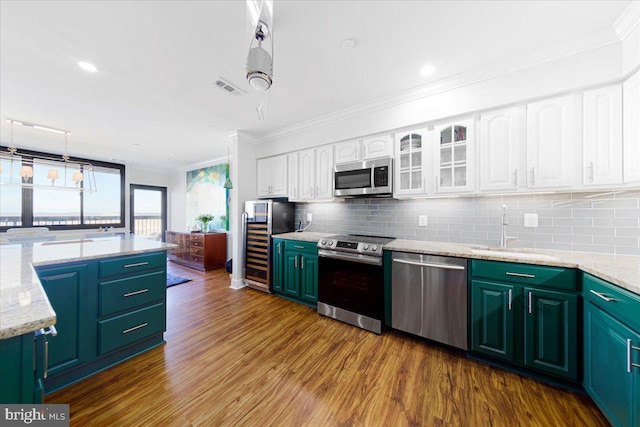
x: 201, y: 251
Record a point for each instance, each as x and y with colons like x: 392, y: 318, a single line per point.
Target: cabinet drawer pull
x: 510, y: 294
x: 137, y: 264
x: 126, y: 331
x: 298, y: 247
x: 528, y: 276
x: 599, y: 295
x: 530, y: 303
x: 630, y: 364
x: 130, y: 294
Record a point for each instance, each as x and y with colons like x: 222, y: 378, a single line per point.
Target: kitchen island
x: 106, y: 297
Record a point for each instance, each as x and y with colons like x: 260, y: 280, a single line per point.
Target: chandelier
x: 28, y: 170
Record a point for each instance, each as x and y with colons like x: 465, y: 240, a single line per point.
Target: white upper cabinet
x: 324, y: 173
x: 502, y: 149
x: 409, y: 162
x: 602, y: 136
x: 272, y: 177
x: 368, y: 148
x: 377, y: 146
x: 631, y: 148
x: 294, y: 178
x: 315, y: 168
x: 454, y: 156
x: 553, y: 142
x: 307, y: 168
x: 346, y: 152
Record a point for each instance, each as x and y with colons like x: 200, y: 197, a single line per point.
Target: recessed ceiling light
x: 348, y: 43
x: 88, y: 67
x: 427, y: 70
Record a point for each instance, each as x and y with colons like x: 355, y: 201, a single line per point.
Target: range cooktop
x: 355, y: 243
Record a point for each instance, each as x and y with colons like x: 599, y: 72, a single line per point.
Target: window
x: 45, y: 205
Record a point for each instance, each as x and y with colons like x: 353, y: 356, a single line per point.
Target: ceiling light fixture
x: 30, y: 163
x: 88, y: 67
x: 348, y: 43
x: 260, y: 60
x: 427, y: 70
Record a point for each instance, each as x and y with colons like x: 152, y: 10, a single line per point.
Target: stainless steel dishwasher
x: 429, y: 297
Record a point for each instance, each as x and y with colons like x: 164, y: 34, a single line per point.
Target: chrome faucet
x: 503, y: 234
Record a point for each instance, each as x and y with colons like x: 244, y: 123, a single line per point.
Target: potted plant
x: 205, y: 219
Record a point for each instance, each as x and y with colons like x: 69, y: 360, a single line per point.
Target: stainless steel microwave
x: 371, y: 178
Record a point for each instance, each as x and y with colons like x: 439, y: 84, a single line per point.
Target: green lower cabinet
x: 68, y: 290
x: 17, y: 369
x: 291, y: 285
x: 550, y: 337
x: 612, y: 350
x: 493, y: 316
x: 297, y: 263
x: 526, y: 326
x: 277, y: 268
x: 606, y: 372
x: 309, y: 278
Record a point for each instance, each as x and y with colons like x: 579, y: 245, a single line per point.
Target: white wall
x: 144, y: 177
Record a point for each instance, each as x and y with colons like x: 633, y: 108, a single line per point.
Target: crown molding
x: 628, y: 20
x: 559, y: 51
x: 239, y: 134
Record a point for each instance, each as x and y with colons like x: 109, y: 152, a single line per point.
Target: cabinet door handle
x: 126, y: 331
x: 279, y: 250
x: 515, y: 178
x: 630, y: 348
x: 295, y: 262
x: 301, y: 263
x: 46, y: 359
x: 130, y: 294
x: 599, y: 295
x: 528, y: 276
x: 298, y: 247
x: 137, y: 264
x: 510, y: 295
x: 590, y: 171
x: 533, y: 176
x: 530, y: 303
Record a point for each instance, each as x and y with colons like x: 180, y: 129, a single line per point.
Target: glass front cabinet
x: 411, y: 160
x: 454, y: 151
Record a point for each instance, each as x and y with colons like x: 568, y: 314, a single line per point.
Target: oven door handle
x: 363, y: 259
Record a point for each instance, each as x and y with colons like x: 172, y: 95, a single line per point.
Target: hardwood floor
x: 247, y: 358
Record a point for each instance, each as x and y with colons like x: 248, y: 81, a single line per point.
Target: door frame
x: 163, y: 192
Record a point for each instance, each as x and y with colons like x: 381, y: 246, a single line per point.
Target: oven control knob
x: 323, y: 242
x: 374, y: 248
x: 330, y: 242
x: 365, y: 247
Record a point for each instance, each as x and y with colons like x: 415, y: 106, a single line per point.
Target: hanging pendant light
x: 83, y: 178
x: 228, y: 184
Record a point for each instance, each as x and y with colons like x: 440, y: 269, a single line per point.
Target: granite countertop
x: 303, y: 236
x: 621, y: 270
x: 24, y: 306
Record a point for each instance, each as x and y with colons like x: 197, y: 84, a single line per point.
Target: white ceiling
x: 153, y: 105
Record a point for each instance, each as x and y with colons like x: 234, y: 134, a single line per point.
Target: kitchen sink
x: 517, y: 255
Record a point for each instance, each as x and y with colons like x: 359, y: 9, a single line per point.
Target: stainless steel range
x: 351, y: 280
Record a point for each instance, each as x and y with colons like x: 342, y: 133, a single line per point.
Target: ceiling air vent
x: 228, y: 87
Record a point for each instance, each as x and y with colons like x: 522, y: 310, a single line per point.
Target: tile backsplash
x: 605, y: 222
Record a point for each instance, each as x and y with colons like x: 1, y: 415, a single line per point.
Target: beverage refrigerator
x: 261, y: 219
